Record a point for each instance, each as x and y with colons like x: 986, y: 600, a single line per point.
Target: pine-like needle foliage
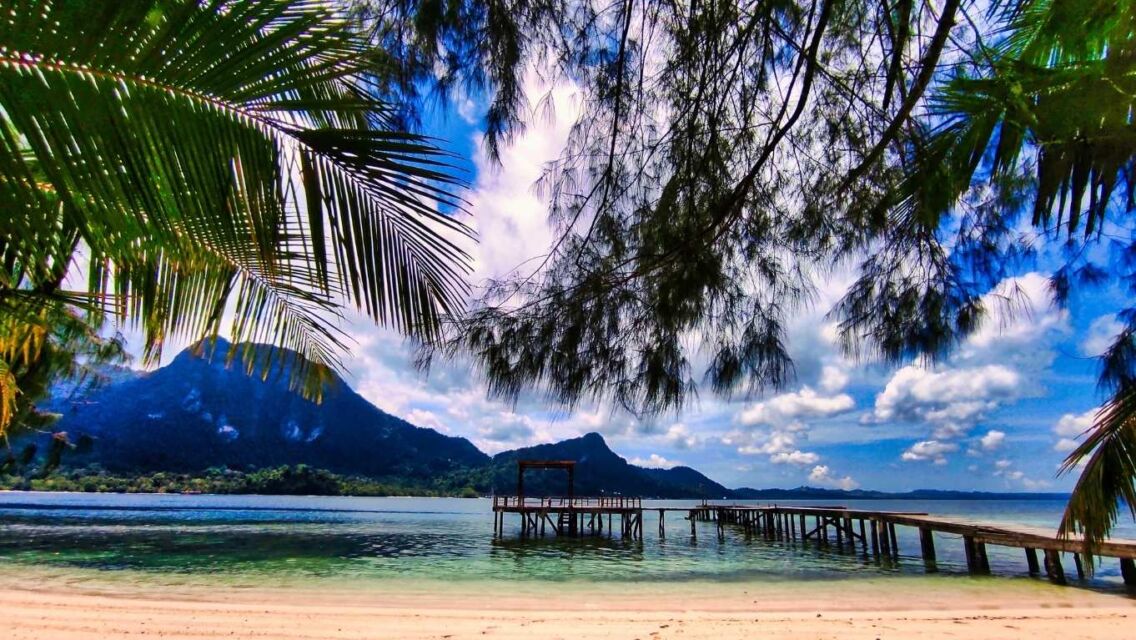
x: 214, y: 164
x: 731, y: 153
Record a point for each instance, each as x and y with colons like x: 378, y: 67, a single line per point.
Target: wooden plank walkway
x: 875, y: 532
x: 571, y: 515
x: 871, y: 532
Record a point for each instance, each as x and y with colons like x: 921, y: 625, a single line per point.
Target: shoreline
x: 64, y: 606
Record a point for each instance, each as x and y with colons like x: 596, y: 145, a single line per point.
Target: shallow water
x: 280, y: 540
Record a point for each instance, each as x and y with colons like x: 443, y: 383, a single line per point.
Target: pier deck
x: 571, y: 515
x: 874, y: 532
x: 870, y: 532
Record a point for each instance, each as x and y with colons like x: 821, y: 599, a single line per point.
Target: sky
x: 999, y: 414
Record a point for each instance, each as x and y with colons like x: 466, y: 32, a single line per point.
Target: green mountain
x: 196, y: 413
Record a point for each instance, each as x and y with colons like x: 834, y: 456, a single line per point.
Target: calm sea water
x: 251, y: 540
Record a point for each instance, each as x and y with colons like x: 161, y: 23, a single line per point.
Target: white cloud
x: 833, y: 378
x: 822, y: 475
x: 468, y: 110
x: 992, y: 440
x: 1101, y: 334
x: 799, y: 458
x: 1070, y: 428
x: 788, y: 408
x: 655, y: 461
x: 776, y: 442
x: 929, y: 450
x: 950, y: 401
x: 512, y: 220
x: 679, y: 436
x: 1020, y: 320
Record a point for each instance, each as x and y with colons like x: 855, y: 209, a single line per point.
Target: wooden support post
x: 1053, y: 568
x: 803, y: 534
x: 1080, y: 567
x: 927, y: 544
x: 885, y: 546
x: 894, y: 540
x: 971, y: 554
x: 662, y: 524
x: 1031, y: 560
x: 543, y: 517
x: 875, y: 538
x: 839, y: 534
x: 1128, y: 571
x: 863, y: 536
x: 693, y: 531
x: 983, y: 561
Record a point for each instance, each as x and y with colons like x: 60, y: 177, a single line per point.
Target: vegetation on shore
x: 283, y: 480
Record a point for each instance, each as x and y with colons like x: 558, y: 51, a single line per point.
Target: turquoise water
x: 248, y: 540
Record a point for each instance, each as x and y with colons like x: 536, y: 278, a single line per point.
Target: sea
x: 256, y: 541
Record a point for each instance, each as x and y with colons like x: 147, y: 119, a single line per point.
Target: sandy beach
x: 56, y: 609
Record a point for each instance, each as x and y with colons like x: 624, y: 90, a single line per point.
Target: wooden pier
x: 572, y: 516
x: 871, y: 533
x: 567, y: 515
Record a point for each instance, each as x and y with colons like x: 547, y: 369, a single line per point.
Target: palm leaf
x: 1108, y: 454
x: 221, y: 157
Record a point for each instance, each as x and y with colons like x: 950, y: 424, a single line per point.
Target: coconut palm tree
x: 193, y: 166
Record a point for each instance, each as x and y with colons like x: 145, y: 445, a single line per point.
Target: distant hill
x: 599, y: 471
x: 196, y: 413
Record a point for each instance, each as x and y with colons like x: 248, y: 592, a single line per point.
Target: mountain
x: 599, y: 471
x: 196, y: 413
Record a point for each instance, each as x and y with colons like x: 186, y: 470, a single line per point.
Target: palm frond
x: 1108, y: 474
x: 214, y: 155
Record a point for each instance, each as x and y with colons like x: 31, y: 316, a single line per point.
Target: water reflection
x: 252, y: 537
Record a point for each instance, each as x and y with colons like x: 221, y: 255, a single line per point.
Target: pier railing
x: 565, y: 502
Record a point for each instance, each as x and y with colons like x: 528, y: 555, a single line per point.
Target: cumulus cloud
x: 1004, y: 468
x: 932, y: 450
x: 512, y: 220
x: 992, y: 440
x: 1101, y: 334
x: 950, y: 401
x: 822, y: 475
x: 1020, y: 322
x: 789, y: 408
x: 799, y: 458
x: 833, y: 378
x: 679, y: 436
x: 773, y: 443
x: 655, y: 461
x: 1070, y: 428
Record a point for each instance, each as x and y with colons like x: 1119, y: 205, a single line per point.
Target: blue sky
x: 999, y: 414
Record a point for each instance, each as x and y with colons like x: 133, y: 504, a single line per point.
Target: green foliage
x: 284, y: 480
x: 213, y: 165
x: 731, y: 154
